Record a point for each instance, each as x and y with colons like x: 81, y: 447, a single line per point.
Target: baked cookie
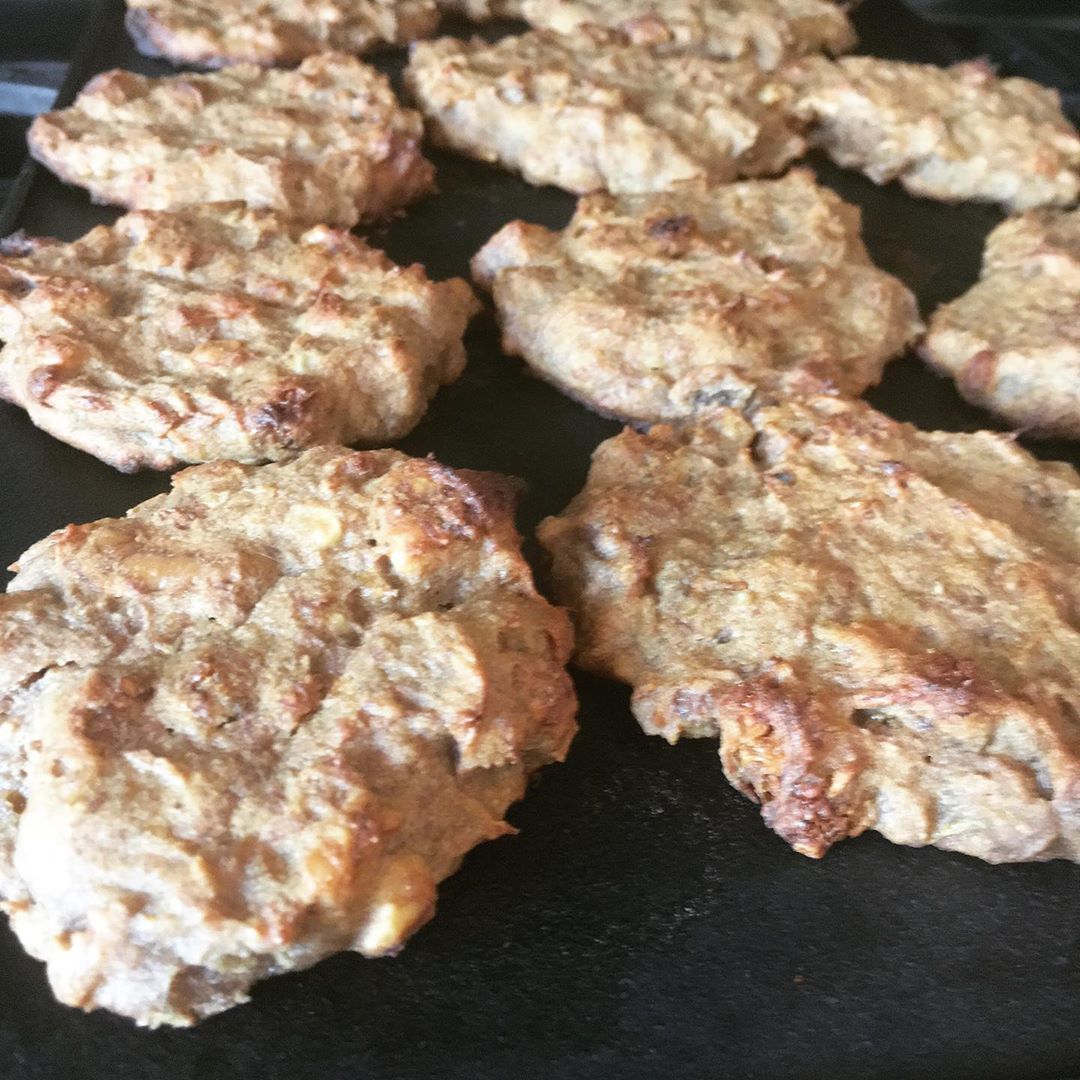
x: 879, y: 623
x: 326, y: 143
x: 590, y: 112
x: 945, y: 133
x: 655, y: 307
x: 1012, y: 342
x: 214, y: 33
x: 254, y: 722
x: 221, y: 332
x: 769, y: 31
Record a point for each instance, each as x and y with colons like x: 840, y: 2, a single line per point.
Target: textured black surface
x: 644, y: 923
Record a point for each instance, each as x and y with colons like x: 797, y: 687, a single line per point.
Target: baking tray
x: 644, y: 923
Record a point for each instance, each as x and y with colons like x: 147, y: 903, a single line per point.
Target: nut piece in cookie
x: 879, y: 623
x: 215, y: 33
x: 957, y: 133
x: 324, y: 143
x: 654, y: 307
x: 258, y: 719
x: 1012, y: 342
x: 591, y: 112
x: 767, y: 31
x: 222, y: 332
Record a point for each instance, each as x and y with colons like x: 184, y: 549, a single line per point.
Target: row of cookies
x: 587, y: 111
x: 591, y: 110
x: 255, y: 721
x: 209, y: 34
x: 218, y: 331
x: 594, y: 111
x: 292, y: 696
x: 221, y: 331
x: 591, y: 106
x: 649, y: 308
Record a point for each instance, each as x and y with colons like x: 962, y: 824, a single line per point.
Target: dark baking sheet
x: 644, y: 923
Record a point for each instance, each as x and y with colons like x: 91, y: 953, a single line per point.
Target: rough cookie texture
x: 482, y: 10
x: 591, y: 112
x: 221, y: 332
x: 881, y: 624
x: 257, y: 720
x: 654, y: 307
x: 945, y: 133
x: 770, y: 31
x: 213, y: 33
x: 327, y: 143
x: 1012, y: 342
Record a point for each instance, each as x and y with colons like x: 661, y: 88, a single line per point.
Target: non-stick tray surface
x: 644, y: 923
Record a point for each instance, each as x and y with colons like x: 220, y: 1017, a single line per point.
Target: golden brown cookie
x: 326, y: 143
x: 221, y: 332
x: 656, y: 307
x: 945, y: 133
x: 258, y: 719
x: 880, y: 623
x: 1012, y: 342
x: 591, y: 112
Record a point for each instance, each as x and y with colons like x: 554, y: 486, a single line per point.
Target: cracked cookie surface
x: 255, y: 721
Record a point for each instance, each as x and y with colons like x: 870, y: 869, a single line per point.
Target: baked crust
x: 326, y: 143
x: 953, y: 133
x: 1012, y: 342
x: 255, y: 721
x: 655, y: 307
x: 221, y: 332
x: 215, y: 33
x: 879, y: 623
x: 591, y: 112
x: 768, y: 31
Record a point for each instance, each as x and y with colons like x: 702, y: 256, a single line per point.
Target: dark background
x: 644, y: 923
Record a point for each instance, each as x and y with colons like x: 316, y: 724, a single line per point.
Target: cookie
x: 957, y: 133
x: 326, y: 143
x: 655, y: 307
x: 258, y: 719
x: 221, y: 332
x: 1012, y: 342
x: 214, y: 33
x: 591, y: 112
x: 879, y: 623
x: 768, y: 31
